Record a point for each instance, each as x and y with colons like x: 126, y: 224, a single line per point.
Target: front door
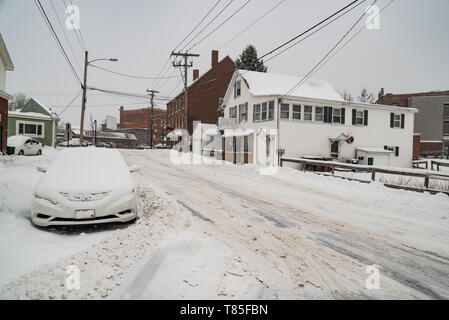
x: 335, y: 149
x: 370, y: 161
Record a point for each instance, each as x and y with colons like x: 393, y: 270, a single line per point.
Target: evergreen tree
x: 248, y: 60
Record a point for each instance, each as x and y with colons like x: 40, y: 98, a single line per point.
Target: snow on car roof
x: 87, y: 169
x: 267, y: 84
x: 18, y: 140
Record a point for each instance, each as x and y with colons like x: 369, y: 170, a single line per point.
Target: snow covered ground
x: 224, y: 231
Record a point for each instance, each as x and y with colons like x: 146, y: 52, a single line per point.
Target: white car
x: 85, y: 186
x: 24, y: 146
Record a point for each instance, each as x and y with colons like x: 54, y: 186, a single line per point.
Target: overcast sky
x: 410, y: 51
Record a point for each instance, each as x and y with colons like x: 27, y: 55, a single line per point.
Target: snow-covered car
x: 24, y: 146
x: 85, y: 186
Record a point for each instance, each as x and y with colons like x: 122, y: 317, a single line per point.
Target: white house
x: 312, y: 120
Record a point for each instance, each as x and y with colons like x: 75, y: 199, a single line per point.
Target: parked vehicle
x: 85, y: 186
x: 24, y: 146
x: 143, y: 146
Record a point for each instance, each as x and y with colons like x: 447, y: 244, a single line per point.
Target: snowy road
x: 292, y: 235
x: 227, y: 232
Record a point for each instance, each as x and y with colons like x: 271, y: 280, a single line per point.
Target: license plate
x: 84, y: 214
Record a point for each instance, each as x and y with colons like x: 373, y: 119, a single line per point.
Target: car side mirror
x: 134, y: 168
x: 41, y: 169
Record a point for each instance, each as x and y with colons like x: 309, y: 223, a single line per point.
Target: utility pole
x: 186, y: 55
x: 152, y: 93
x: 83, y: 102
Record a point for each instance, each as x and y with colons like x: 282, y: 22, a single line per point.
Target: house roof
x: 29, y: 114
x: 4, y: 54
x: 270, y: 84
x: 313, y: 90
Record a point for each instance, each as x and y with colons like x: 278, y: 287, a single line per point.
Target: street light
x: 83, y: 102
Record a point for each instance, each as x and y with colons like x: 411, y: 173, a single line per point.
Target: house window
x: 397, y: 121
x: 264, y: 111
x: 308, y: 113
x: 285, y: 111
x: 446, y: 120
x: 30, y: 129
x: 394, y: 149
x: 256, y: 112
x: 271, y: 110
x: 359, y: 118
x: 336, y: 115
x: 243, y: 112
x: 296, y: 112
x: 237, y: 89
x: 233, y: 112
x: 319, y: 114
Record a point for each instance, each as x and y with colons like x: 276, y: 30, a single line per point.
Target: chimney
x: 196, y: 74
x: 381, y: 94
x: 214, y: 58
x: 121, y: 108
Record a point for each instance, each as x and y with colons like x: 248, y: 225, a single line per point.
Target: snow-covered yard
x: 225, y: 231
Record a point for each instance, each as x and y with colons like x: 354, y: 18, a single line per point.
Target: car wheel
x: 20, y: 153
x: 39, y: 152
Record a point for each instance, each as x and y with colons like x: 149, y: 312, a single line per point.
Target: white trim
x: 42, y: 136
x: 15, y: 114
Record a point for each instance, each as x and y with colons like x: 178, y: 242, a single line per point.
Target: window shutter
x: 365, y: 118
x: 392, y: 120
x: 385, y: 147
x: 235, y: 89
x: 353, y: 116
x: 328, y: 114
x: 396, y: 151
x: 342, y: 115
x: 402, y: 120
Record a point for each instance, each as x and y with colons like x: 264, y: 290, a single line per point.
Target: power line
x: 55, y: 36
x: 129, y: 75
x: 70, y: 103
x: 317, y: 30
x: 65, y: 35
x: 311, y: 28
x: 328, y: 53
x: 198, y: 24
x: 129, y: 94
x: 229, y: 3
x: 219, y: 26
x: 350, y: 39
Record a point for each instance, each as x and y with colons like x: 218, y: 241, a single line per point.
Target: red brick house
x: 140, y: 119
x: 204, y: 95
x: 5, y: 65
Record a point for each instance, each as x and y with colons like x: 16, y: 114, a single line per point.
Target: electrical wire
x: 70, y: 103
x: 129, y: 75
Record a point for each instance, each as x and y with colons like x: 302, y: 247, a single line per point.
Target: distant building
x: 138, y: 122
x: 5, y: 65
x: 35, y: 121
x: 110, y: 123
x: 204, y: 95
x: 431, y: 122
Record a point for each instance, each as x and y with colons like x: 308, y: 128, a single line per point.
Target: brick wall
x: 402, y: 99
x: 140, y: 119
x: 416, y: 146
x: 203, y: 95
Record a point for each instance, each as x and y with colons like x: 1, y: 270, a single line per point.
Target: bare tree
x: 347, y: 95
x: 366, y: 97
x: 18, y: 101
x: 91, y: 120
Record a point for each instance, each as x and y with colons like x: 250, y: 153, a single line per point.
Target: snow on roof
x: 374, y: 150
x: 267, y: 84
x: 42, y: 106
x: 29, y: 114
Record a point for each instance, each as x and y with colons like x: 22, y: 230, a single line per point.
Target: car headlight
x: 40, y: 196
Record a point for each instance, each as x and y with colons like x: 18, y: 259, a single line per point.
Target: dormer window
x: 237, y: 89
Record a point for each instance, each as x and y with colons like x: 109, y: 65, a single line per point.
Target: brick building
x: 204, y: 95
x: 140, y: 119
x: 431, y: 124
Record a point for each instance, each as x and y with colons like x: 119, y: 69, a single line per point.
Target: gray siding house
x: 432, y: 122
